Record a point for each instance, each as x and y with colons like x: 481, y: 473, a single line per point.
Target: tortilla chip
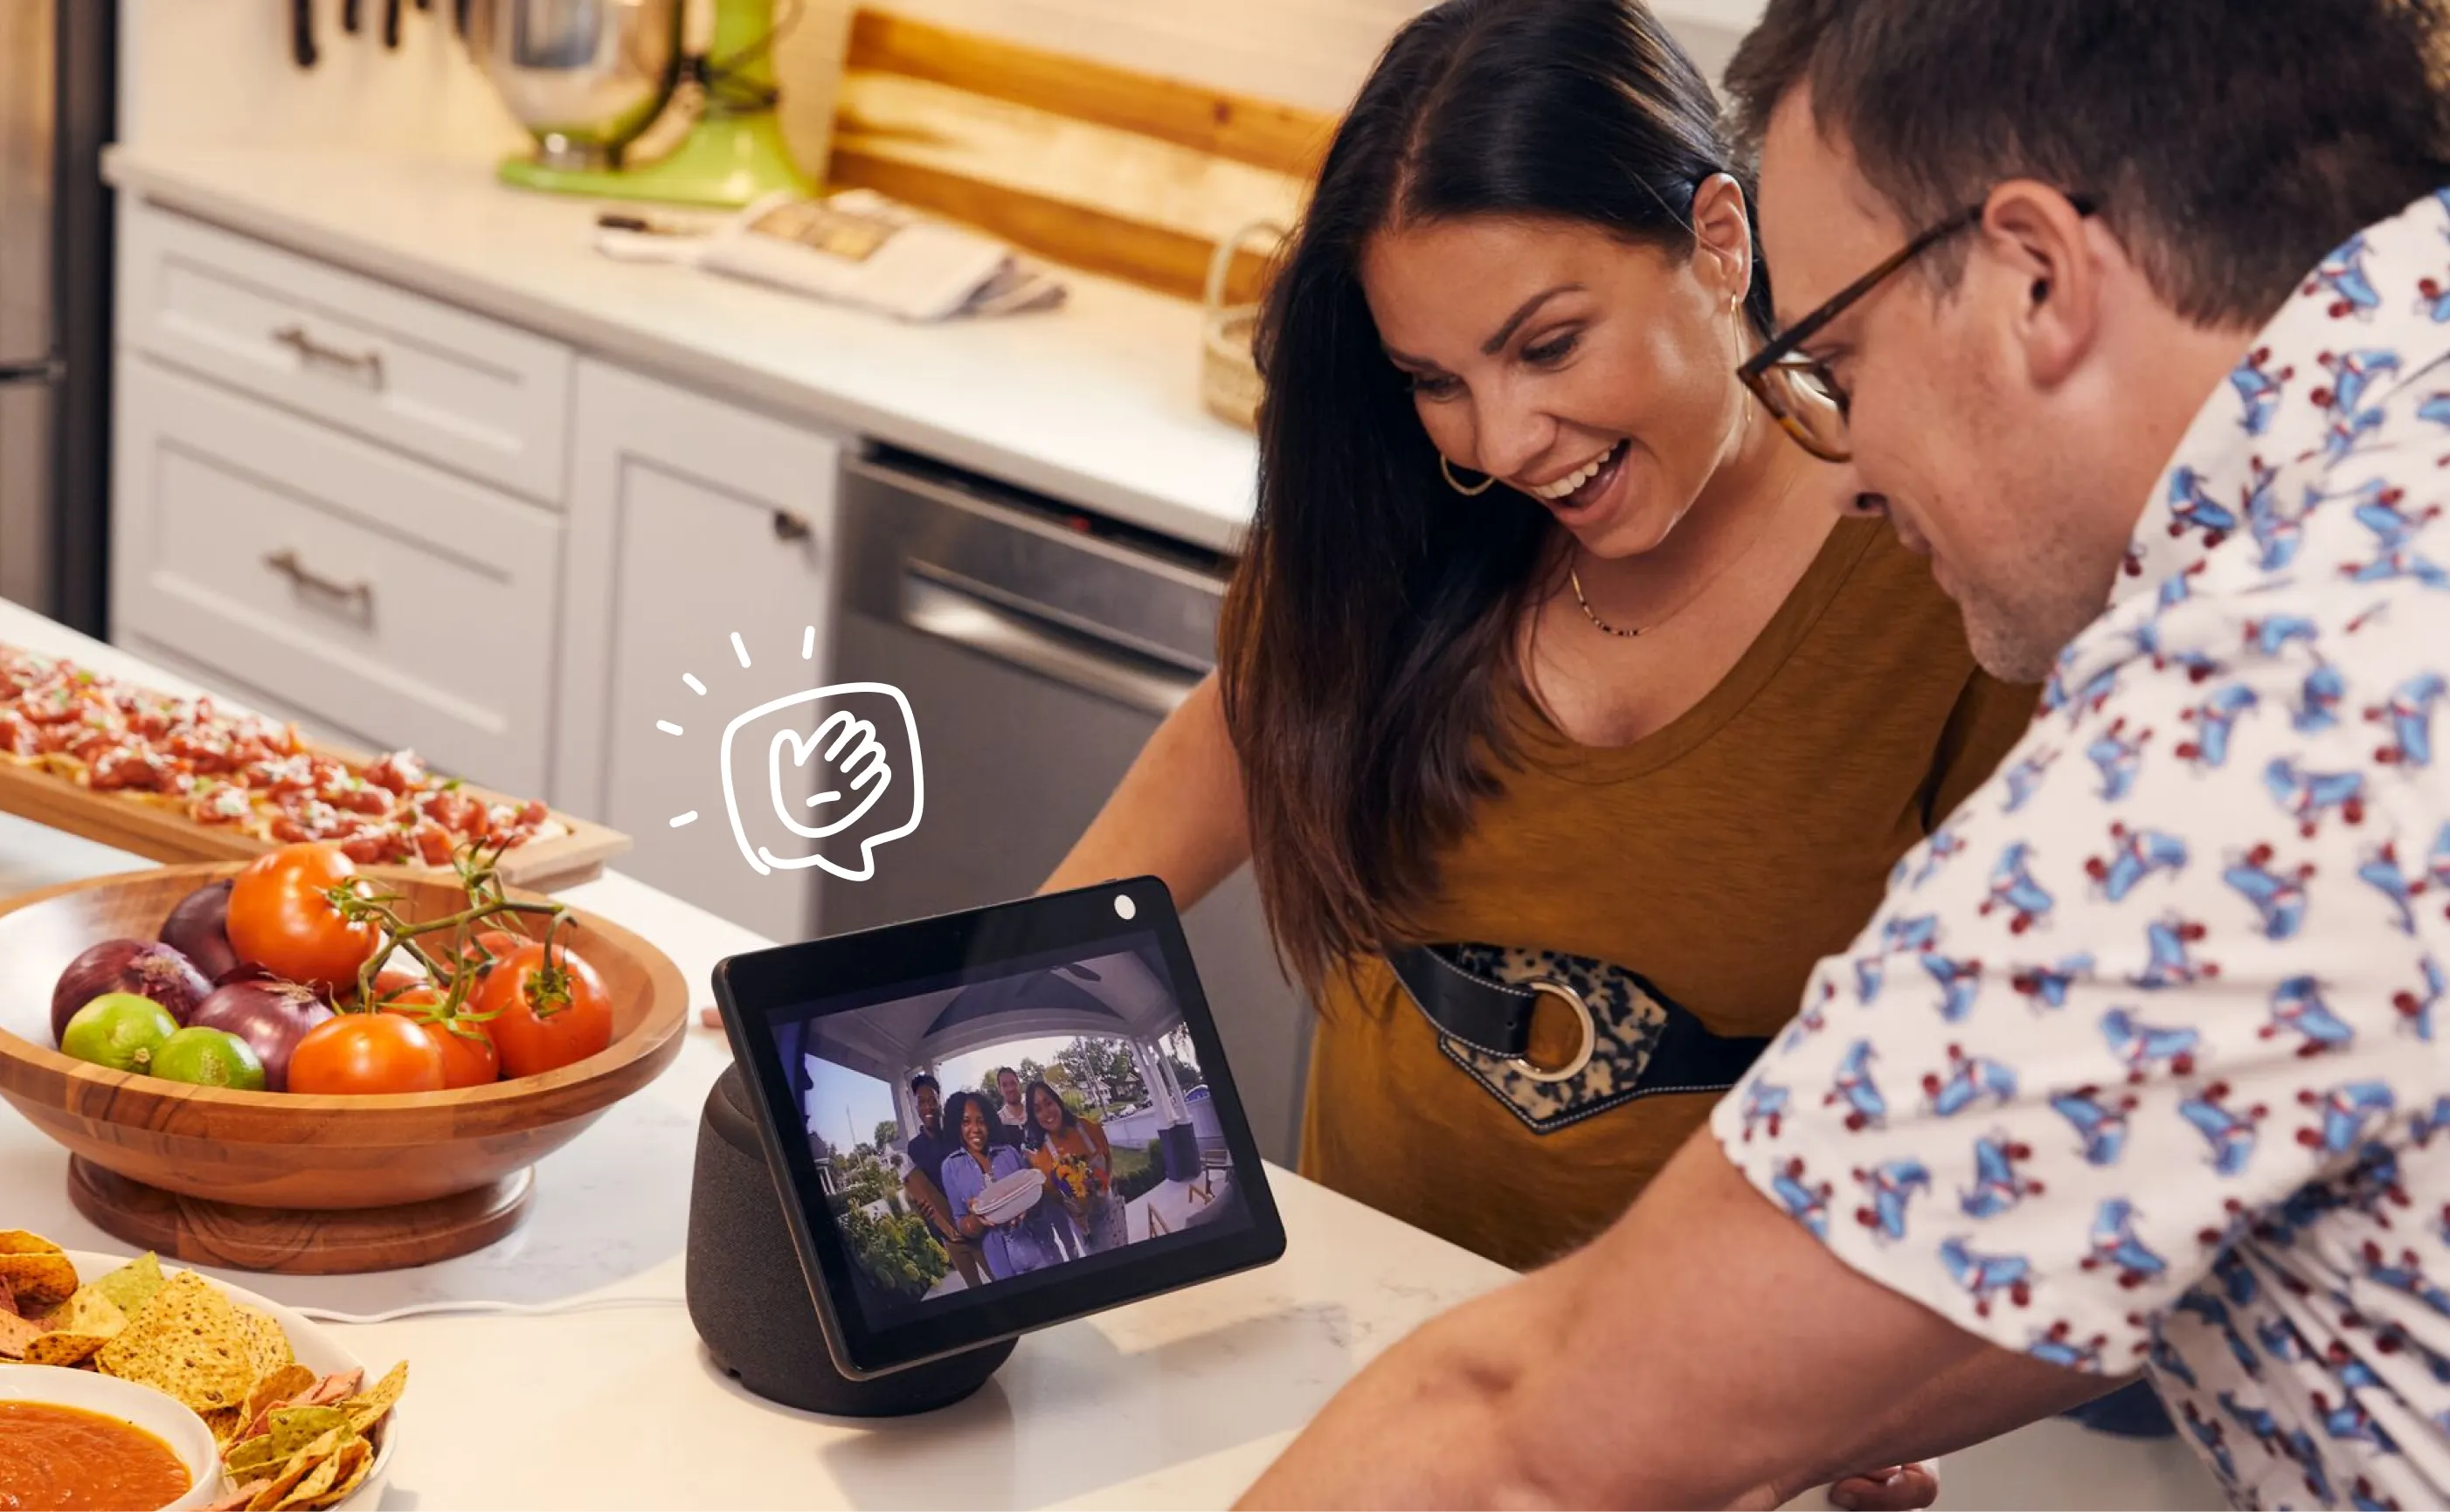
x: 225, y: 1424
x: 17, y: 1241
x: 237, y: 1500
x: 253, y: 1458
x: 268, y: 1345
x: 8, y: 1301
x: 294, y: 1428
x: 188, y: 1343
x: 356, y: 1461
x: 333, y: 1389
x: 65, y: 1348
x: 283, y: 1383
x: 133, y: 1285
x: 16, y: 1333
x: 318, y: 1482
x: 370, y: 1410
x: 39, y: 1280
x: 301, y: 1464
x: 87, y: 1311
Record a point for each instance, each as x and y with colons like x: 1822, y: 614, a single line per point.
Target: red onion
x: 140, y: 966
x: 270, y: 1016
x: 198, y: 929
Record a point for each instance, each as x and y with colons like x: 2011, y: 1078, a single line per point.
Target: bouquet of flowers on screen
x: 988, y: 1134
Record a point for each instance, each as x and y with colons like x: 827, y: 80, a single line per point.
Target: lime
x: 209, y: 1058
x: 119, y: 1030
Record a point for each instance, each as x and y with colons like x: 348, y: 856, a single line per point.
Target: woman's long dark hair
x: 1373, y: 618
x: 1037, y: 1131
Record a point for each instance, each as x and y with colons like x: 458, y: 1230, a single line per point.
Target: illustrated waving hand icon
x: 826, y: 782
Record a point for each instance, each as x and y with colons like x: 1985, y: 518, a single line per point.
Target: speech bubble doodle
x: 852, y: 757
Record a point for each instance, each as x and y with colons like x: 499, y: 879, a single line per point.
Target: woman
x: 1013, y: 1245
x: 1059, y: 1134
x: 1546, y: 648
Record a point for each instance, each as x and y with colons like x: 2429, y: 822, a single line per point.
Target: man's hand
x: 1706, y: 1351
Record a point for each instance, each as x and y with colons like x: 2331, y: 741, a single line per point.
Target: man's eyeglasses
x: 1798, y: 389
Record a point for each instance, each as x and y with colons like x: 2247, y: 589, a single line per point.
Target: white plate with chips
x: 315, y: 1346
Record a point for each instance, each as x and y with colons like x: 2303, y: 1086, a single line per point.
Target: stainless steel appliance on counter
x: 1039, y: 648
x: 56, y: 112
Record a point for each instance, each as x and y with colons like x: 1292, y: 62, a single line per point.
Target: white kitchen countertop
x: 1179, y: 1401
x: 1096, y: 403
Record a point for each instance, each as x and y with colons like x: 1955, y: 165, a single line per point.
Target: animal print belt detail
x: 1636, y: 1040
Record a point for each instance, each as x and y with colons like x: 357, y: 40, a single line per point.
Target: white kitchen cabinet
x: 384, y: 599
x: 693, y: 521
x: 466, y: 392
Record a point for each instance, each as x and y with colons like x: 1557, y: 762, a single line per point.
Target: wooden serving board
x: 1080, y: 161
x: 167, y: 835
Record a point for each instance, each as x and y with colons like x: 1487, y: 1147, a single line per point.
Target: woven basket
x: 1229, y: 377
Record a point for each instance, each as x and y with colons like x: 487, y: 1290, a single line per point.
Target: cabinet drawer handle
x: 361, y: 592
x: 311, y: 351
x: 790, y: 527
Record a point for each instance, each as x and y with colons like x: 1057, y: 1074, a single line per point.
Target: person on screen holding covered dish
x: 1015, y: 1244
x: 2134, y: 318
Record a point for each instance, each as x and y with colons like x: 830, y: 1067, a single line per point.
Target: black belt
x: 1494, y: 1017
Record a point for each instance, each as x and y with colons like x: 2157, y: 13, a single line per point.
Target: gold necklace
x: 1574, y: 575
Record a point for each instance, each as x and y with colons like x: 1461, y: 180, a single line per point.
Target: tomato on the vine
x: 491, y: 947
x: 360, y: 1054
x: 282, y: 919
x: 469, y: 1058
x: 544, y: 1014
x: 400, y: 974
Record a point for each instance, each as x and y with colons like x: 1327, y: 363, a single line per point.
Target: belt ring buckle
x: 1590, y: 1037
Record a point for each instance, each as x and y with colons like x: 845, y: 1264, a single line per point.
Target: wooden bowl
x: 290, y: 1182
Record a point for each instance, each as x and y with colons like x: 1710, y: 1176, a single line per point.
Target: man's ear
x: 2045, y: 252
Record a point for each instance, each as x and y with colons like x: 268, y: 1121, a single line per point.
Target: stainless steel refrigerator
x: 56, y: 113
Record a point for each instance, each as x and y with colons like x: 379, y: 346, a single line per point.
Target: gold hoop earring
x: 1487, y: 480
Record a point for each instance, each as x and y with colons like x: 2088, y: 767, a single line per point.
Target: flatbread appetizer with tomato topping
x: 244, y: 773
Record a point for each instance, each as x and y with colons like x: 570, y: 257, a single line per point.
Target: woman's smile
x: 1584, y: 495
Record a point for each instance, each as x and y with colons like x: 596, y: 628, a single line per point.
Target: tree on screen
x: 1104, y: 1072
x: 1028, y: 1070
x: 1182, y: 1058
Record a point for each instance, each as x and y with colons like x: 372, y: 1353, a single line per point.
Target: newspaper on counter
x: 857, y: 248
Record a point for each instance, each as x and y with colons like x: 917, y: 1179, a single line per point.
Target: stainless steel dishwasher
x: 1039, y: 647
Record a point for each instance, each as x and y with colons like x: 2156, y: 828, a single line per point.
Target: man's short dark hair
x: 923, y: 1079
x: 2232, y: 143
x: 1002, y: 1072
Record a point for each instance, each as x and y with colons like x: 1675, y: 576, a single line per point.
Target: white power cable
x: 478, y: 1309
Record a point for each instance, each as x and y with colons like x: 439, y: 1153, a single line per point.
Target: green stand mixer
x: 588, y: 77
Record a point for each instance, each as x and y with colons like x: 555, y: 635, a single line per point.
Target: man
x: 2136, y: 1068
x: 1013, y: 1117
x: 923, y: 1184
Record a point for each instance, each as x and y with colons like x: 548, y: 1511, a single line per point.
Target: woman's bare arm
x: 1178, y: 814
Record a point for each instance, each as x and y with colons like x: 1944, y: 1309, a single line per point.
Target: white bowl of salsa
x: 75, y: 1440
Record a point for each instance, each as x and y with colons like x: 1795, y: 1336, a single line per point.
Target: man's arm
x: 1706, y: 1351
x: 928, y: 1200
